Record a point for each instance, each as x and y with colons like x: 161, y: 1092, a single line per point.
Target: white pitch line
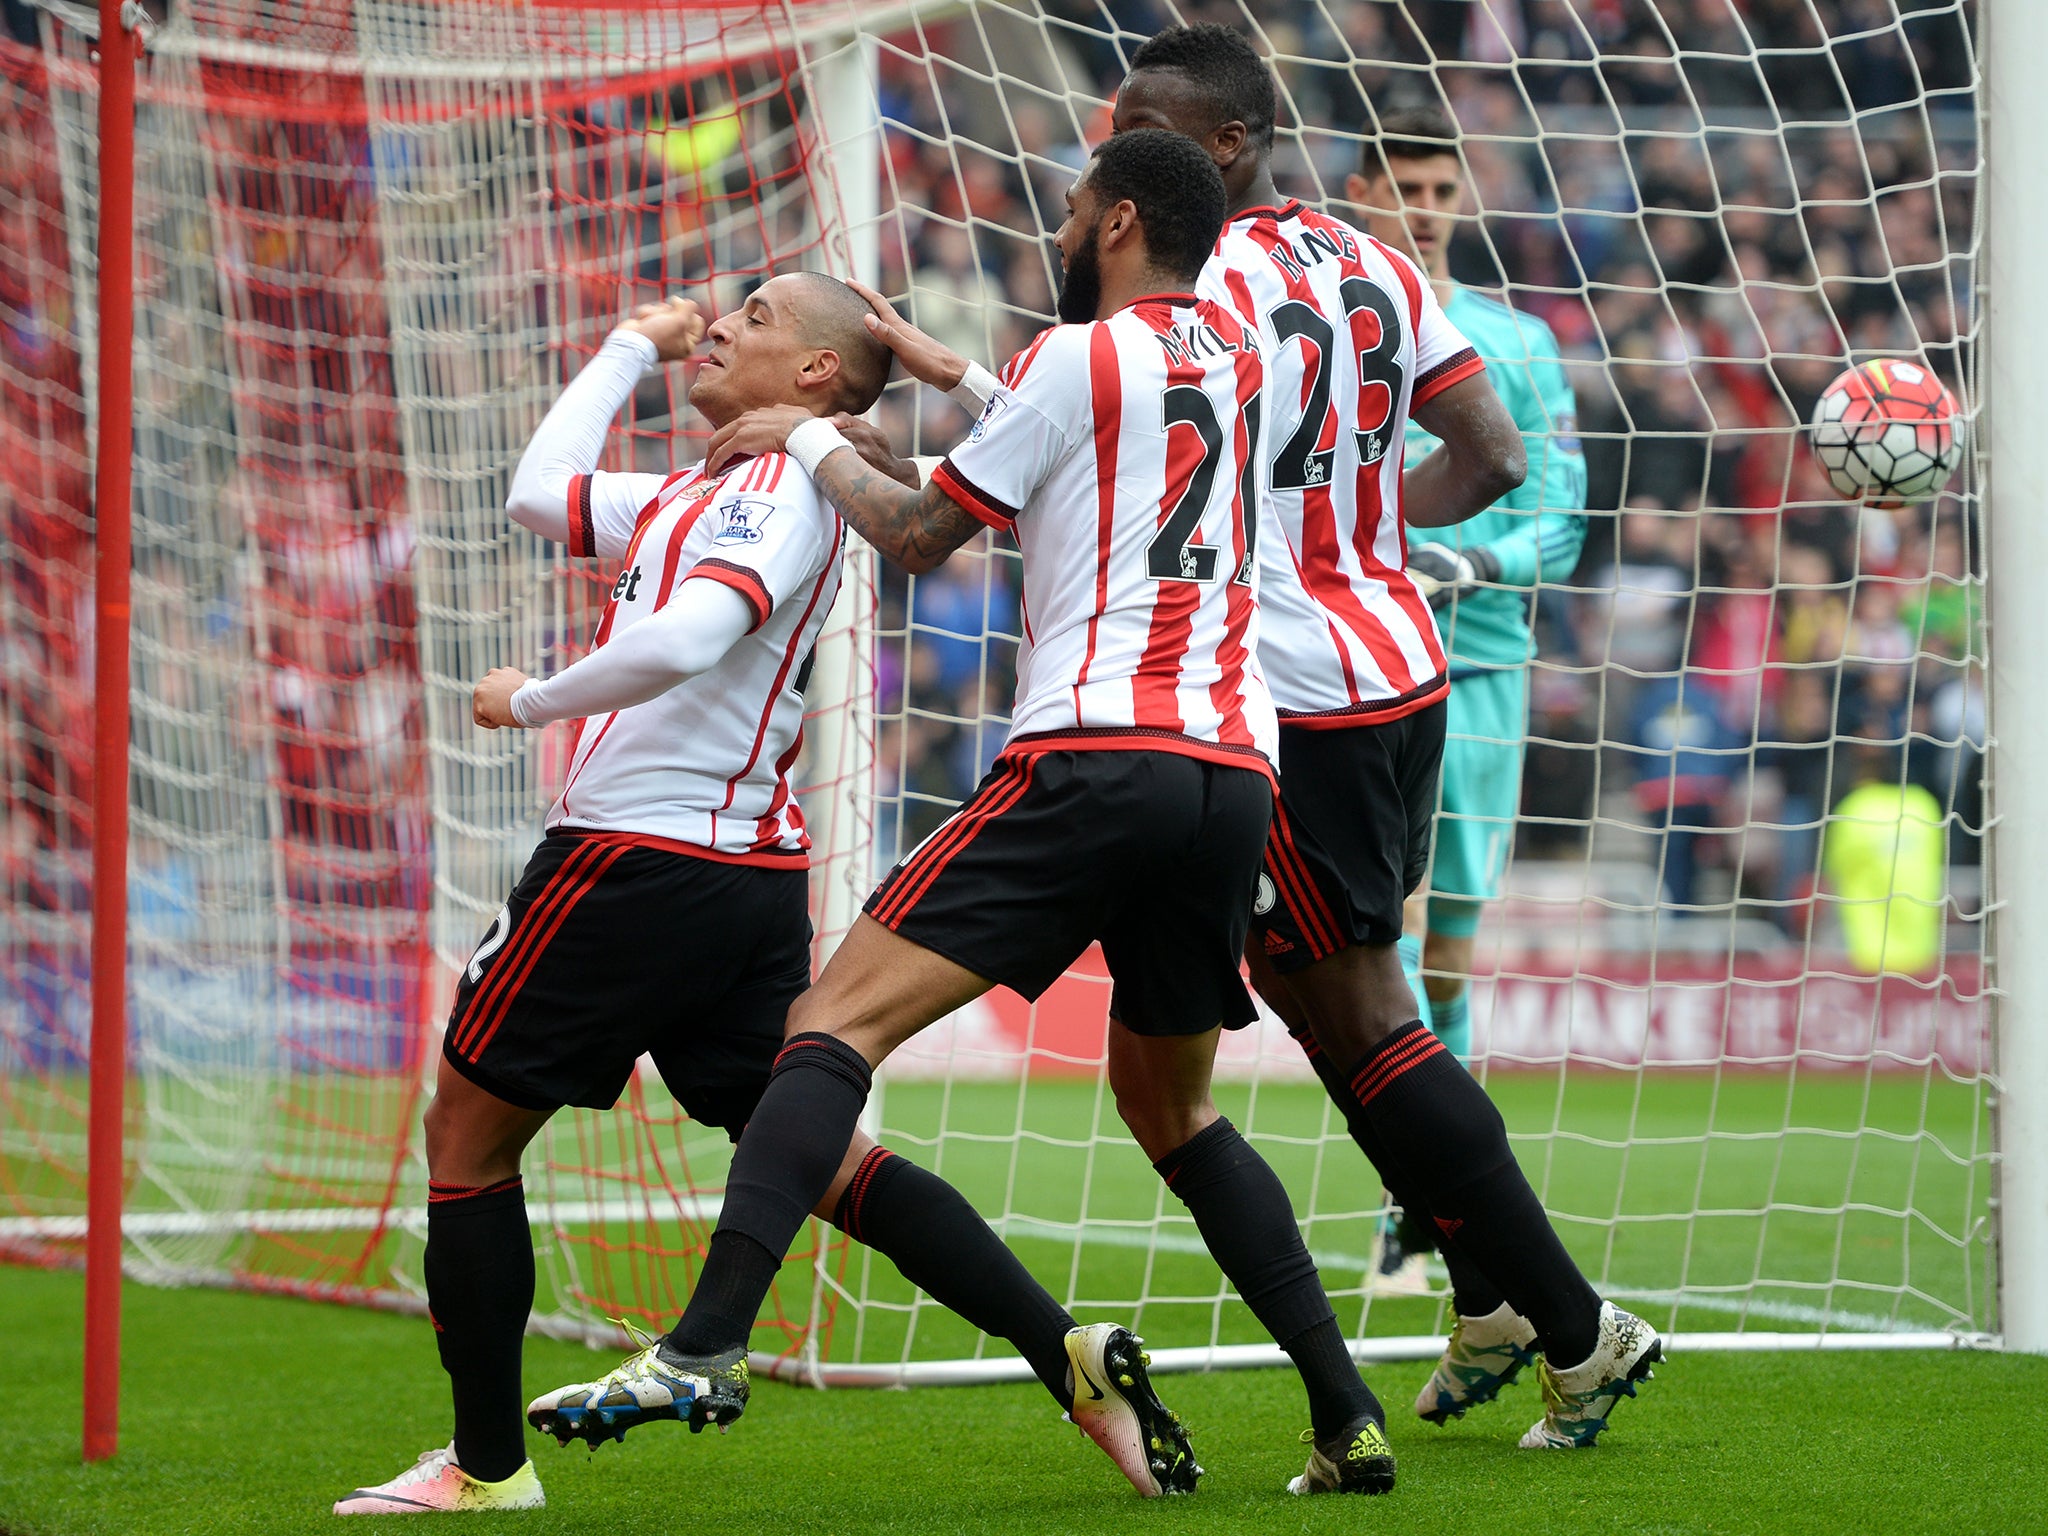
x: 705, y: 1208
x: 1355, y: 1263
x: 138, y: 1224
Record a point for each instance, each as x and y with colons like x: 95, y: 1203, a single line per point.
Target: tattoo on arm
x: 915, y: 529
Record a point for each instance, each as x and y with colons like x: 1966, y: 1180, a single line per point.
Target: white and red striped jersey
x: 1124, y: 454
x: 705, y: 766
x: 1354, y: 339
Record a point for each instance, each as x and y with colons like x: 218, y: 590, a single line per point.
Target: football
x: 1888, y: 431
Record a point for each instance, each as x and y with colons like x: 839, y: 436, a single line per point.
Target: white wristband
x: 810, y: 442
x: 974, y: 388
x: 926, y: 463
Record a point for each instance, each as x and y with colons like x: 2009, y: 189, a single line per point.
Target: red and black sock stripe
x: 847, y: 1215
x: 1450, y: 1146
x: 1409, y: 1047
x: 942, y: 1246
x: 438, y: 1192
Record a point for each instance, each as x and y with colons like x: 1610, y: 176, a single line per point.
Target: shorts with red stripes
x: 1150, y: 853
x: 610, y: 949
x: 1350, y: 838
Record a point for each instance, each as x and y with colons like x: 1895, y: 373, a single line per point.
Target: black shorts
x: 1350, y: 838
x: 612, y: 946
x: 1154, y: 854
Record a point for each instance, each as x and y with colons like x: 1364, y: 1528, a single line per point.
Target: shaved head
x: 832, y: 316
x: 799, y: 339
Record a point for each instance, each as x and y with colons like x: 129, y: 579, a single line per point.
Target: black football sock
x: 479, y: 1273
x: 1321, y: 1355
x: 1243, y: 1213
x: 1444, y: 1138
x: 944, y: 1248
x: 1472, y: 1294
x: 786, y: 1160
x: 727, y: 1298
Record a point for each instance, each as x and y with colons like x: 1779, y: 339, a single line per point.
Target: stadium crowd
x: 1711, y: 231
x: 1738, y: 649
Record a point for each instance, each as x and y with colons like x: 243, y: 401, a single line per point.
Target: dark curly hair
x: 1224, y: 67
x: 1176, y: 189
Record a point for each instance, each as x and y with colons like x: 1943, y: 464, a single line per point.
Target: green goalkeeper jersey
x: 1536, y: 530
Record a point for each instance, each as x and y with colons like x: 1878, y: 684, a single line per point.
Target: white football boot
x: 1116, y: 1408
x: 1484, y: 1355
x: 436, y: 1485
x: 1576, y: 1402
x: 646, y: 1388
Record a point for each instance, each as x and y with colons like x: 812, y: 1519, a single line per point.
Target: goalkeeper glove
x: 1441, y: 573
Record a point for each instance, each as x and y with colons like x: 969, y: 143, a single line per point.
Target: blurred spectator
x: 1944, y: 614
x: 950, y: 295
x: 1884, y: 860
x: 1799, y: 757
x: 1684, y: 757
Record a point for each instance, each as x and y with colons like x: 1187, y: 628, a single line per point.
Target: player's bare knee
x: 1160, y: 1126
x: 806, y: 1017
x: 454, y: 1152
x: 1354, y: 999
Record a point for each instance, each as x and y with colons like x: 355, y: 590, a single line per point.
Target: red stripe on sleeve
x: 1454, y: 369
x: 743, y: 581
x: 582, y: 535
x: 972, y: 498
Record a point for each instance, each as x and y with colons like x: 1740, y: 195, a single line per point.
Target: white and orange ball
x: 1888, y: 431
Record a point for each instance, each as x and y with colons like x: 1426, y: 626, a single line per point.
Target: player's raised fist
x: 491, y: 704
x: 924, y: 358
x: 676, y: 327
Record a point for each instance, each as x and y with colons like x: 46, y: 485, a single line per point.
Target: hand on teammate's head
x: 924, y: 358
x: 676, y: 327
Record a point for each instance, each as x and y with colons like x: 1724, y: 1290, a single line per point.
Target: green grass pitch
x: 247, y: 1414
x: 1859, y: 1199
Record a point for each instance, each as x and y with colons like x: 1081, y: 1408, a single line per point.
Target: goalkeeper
x: 1480, y: 575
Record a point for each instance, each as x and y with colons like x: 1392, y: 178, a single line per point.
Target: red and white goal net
x: 375, y: 238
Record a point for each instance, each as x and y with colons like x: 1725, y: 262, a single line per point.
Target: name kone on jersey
x: 1311, y: 248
